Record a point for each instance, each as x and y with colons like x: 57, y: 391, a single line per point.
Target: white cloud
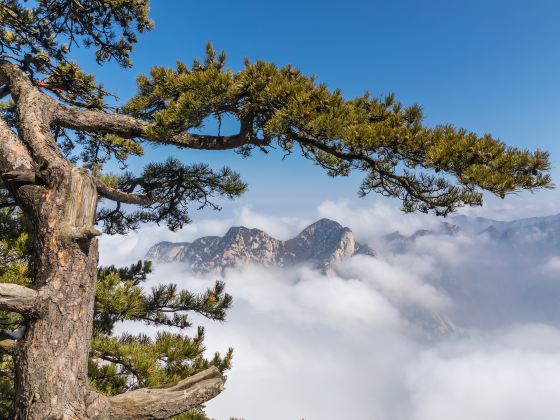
x: 119, y: 249
x: 398, y: 283
x: 489, y: 378
x: 517, y: 206
x: 374, y: 221
x: 316, y: 347
x: 328, y: 357
x: 278, y: 227
x: 552, y: 265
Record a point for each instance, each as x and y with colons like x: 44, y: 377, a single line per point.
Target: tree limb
x: 119, y: 124
x: 128, y: 127
x: 84, y: 233
x: 163, y: 403
x: 16, y: 298
x: 7, y: 345
x: 386, y: 177
x: 34, y: 111
x: 13, y: 153
x: 120, y: 196
x: 15, y: 79
x: 20, y: 177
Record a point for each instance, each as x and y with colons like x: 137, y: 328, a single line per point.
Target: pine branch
x: 168, y: 401
x: 129, y: 127
x: 16, y: 298
x: 121, y: 196
x: 7, y: 345
x: 13, y: 153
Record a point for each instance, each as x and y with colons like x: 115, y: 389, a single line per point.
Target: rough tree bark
x: 51, y: 358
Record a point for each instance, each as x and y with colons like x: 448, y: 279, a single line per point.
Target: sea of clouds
x: 363, y: 343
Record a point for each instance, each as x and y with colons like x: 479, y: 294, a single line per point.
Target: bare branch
x: 16, y: 80
x: 20, y: 177
x: 163, y: 403
x: 7, y: 345
x: 99, y: 121
x: 120, y: 196
x: 84, y: 233
x: 400, y: 180
x: 16, y: 298
x: 129, y: 127
x: 208, y: 142
x: 34, y: 115
x: 13, y: 153
x: 122, y: 125
x: 17, y: 170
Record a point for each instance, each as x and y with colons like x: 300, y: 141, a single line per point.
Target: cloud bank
x: 364, y: 343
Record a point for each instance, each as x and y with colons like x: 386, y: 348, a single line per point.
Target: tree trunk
x: 51, y: 358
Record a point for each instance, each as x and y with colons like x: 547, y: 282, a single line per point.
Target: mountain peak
x: 321, y: 244
x: 241, y: 229
x: 324, y: 223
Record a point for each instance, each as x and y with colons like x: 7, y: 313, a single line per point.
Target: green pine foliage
x: 143, y: 361
x: 41, y: 37
x: 377, y: 135
x: 173, y: 187
x: 14, y: 268
x: 42, y: 34
x: 121, y: 363
x: 429, y: 169
x: 434, y: 169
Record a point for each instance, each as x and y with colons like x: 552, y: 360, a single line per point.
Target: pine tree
x: 57, y: 132
x: 117, y: 364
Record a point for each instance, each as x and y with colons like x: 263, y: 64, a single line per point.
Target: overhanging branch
x: 20, y: 177
x: 128, y: 127
x: 7, y: 345
x: 16, y: 298
x: 169, y: 401
x: 119, y: 124
x: 121, y: 196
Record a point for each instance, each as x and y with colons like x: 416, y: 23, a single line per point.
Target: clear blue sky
x: 489, y: 66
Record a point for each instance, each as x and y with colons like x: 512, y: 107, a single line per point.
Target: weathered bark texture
x: 16, y: 298
x: 52, y: 356
x: 51, y: 360
x: 162, y: 403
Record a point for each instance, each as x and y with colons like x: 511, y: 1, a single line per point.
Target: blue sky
x: 489, y: 66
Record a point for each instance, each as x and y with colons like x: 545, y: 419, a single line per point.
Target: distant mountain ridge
x: 539, y: 234
x: 400, y: 242
x: 320, y: 244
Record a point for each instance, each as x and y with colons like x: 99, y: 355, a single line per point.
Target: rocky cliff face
x: 320, y: 244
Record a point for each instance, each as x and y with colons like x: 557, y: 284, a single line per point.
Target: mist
x: 451, y: 327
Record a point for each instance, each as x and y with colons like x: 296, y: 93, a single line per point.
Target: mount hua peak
x: 320, y: 244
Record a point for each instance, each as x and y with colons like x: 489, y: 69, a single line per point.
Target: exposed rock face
x: 320, y: 244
